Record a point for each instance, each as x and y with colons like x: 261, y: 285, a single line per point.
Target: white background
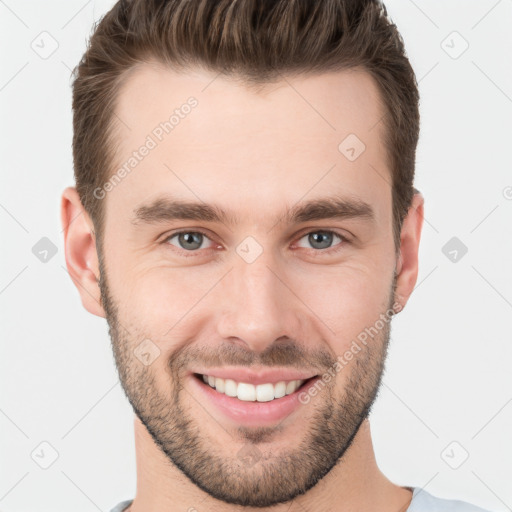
x: 448, y: 375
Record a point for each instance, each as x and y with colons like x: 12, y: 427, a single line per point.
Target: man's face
x: 257, y: 291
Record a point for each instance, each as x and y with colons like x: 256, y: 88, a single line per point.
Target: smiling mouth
x: 246, y: 392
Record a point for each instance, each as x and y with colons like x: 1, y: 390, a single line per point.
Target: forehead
x: 212, y: 138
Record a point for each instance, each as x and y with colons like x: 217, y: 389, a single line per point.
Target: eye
x: 322, y: 239
x: 192, y: 241
x: 188, y: 240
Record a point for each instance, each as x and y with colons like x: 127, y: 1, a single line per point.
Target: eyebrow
x: 165, y: 209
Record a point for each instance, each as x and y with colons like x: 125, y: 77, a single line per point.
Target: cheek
x: 170, y: 305
x: 348, y: 300
x: 160, y: 300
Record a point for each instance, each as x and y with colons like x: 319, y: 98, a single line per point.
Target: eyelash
x: 330, y: 250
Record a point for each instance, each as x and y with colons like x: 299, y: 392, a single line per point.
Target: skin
x: 256, y: 154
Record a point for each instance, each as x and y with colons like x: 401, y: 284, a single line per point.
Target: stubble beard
x: 271, y: 478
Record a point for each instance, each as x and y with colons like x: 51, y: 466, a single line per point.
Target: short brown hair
x: 255, y: 41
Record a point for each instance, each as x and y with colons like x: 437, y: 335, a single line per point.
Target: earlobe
x: 80, y: 251
x: 407, y: 265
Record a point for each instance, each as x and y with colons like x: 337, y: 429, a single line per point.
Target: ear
x: 407, y: 264
x: 80, y: 251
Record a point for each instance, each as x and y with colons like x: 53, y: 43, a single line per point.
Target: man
x: 245, y: 219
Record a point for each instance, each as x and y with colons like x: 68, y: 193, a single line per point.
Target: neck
x: 355, y: 483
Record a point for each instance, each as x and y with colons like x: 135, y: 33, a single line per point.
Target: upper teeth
x: 250, y: 392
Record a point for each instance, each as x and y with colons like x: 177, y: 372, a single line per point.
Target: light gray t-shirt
x: 422, y: 501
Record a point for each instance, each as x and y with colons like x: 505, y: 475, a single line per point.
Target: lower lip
x: 253, y: 413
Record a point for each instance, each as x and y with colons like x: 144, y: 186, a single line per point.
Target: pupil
x: 324, y: 239
x: 190, y: 238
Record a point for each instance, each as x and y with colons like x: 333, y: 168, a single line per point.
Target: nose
x: 257, y: 305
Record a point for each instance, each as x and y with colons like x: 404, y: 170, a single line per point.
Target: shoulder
x: 121, y: 506
x: 423, y: 501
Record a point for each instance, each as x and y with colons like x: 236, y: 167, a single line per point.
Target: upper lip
x: 252, y: 376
